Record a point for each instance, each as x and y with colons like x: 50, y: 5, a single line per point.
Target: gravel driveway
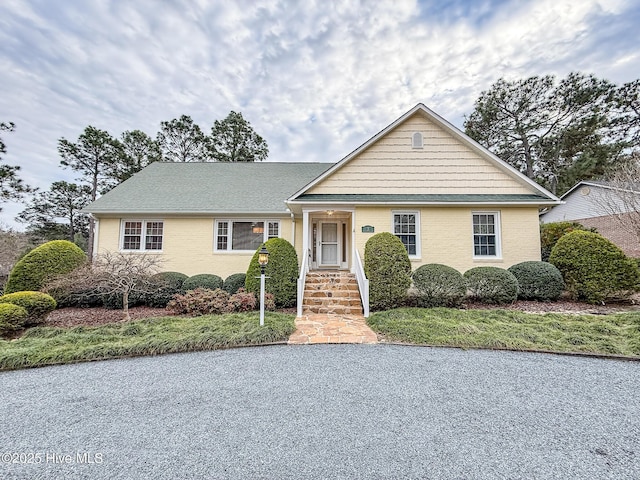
x: 330, y: 411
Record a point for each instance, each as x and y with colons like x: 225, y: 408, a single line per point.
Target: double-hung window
x: 406, y: 226
x: 244, y: 235
x: 486, y: 234
x: 142, y: 235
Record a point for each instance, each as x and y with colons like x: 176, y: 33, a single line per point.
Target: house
x: 448, y: 199
x: 612, y: 211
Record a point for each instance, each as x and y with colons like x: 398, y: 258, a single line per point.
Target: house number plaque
x: 368, y: 229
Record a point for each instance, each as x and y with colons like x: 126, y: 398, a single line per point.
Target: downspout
x: 96, y: 235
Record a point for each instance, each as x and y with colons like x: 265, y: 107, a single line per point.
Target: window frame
x: 143, y: 235
x: 230, y: 221
x: 498, y: 234
x: 418, y: 254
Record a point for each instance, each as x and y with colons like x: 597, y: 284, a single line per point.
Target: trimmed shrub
x: 550, y: 233
x: 439, y: 286
x: 79, y: 297
x: 593, y: 268
x: 203, y: 280
x: 37, y: 304
x: 281, y: 272
x: 538, y: 281
x: 387, y: 266
x: 115, y: 301
x: 491, y: 285
x: 12, y: 317
x: 169, y: 284
x: 201, y: 301
x: 243, y: 301
x: 43, y: 263
x: 234, y: 282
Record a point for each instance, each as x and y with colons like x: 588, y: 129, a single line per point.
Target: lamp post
x: 263, y: 259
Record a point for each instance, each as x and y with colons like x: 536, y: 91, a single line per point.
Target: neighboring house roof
x: 525, y: 190
x: 216, y: 187
x: 582, y: 201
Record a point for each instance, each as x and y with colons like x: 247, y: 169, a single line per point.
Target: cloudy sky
x: 316, y: 78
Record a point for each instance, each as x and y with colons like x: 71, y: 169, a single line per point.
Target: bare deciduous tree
x: 112, y: 273
x: 620, y: 197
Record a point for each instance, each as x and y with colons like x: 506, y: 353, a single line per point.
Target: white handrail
x: 363, y: 282
x: 304, y: 268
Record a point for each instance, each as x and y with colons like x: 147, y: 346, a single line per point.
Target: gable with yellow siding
x: 444, y: 165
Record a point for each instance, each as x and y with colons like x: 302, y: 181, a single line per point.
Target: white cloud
x: 315, y: 78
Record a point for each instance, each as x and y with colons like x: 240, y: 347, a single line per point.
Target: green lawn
x: 48, y: 346
x: 617, y: 334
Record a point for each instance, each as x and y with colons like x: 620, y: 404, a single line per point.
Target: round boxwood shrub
x: 169, y: 284
x: 234, y: 282
x: 439, y: 286
x: 203, y: 280
x: 282, y: 270
x: 37, y: 304
x: 491, y: 285
x: 12, y: 317
x: 42, y: 263
x: 550, y: 233
x: 387, y: 266
x: 593, y: 268
x: 538, y: 281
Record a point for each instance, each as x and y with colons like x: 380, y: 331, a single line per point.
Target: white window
x: 244, y: 235
x: 406, y: 226
x: 142, y: 235
x: 486, y: 234
x: 416, y: 140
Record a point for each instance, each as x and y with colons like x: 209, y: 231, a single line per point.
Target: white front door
x: 329, y: 245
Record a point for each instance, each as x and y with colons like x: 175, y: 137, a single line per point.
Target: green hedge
x: 203, y: 280
x: 37, y: 304
x: 387, y: 266
x: 491, y: 285
x: 282, y: 272
x: 12, y: 317
x: 43, y: 263
x: 168, y: 285
x: 234, y: 282
x: 550, y: 233
x: 538, y: 281
x: 593, y: 268
x: 439, y: 286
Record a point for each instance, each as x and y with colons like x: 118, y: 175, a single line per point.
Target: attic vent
x: 585, y: 191
x: 416, y: 140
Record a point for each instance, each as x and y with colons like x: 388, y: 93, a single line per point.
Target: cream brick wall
x: 446, y: 234
x: 188, y: 245
x: 445, y: 237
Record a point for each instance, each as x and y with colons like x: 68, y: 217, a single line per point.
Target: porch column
x: 305, y: 236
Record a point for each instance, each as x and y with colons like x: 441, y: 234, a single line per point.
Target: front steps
x: 331, y: 292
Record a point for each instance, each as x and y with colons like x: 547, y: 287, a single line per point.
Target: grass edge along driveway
x: 616, y: 334
x: 42, y: 346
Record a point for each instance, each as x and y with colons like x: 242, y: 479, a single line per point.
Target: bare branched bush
x: 110, y: 274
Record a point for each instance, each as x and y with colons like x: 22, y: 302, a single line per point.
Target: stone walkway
x: 325, y: 328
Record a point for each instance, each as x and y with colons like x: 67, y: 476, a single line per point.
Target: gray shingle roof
x: 162, y: 188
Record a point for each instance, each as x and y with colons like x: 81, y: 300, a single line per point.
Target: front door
x: 329, y: 245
